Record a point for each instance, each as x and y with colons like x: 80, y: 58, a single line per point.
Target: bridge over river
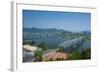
x: 67, y: 45
x: 71, y: 44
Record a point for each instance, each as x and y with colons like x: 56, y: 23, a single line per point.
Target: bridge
x: 70, y: 44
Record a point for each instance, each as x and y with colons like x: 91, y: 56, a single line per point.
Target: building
x: 28, y: 52
x: 56, y: 56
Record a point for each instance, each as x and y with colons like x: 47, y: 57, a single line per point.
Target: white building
x: 28, y: 52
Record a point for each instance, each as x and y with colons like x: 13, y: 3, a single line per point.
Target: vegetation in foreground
x: 84, y: 54
x: 75, y: 55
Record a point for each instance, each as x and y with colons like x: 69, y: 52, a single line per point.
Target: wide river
x: 54, y: 42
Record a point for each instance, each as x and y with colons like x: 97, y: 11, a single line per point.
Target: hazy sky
x: 71, y: 21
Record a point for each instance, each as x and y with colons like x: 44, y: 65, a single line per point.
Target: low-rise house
x: 28, y: 52
x: 29, y: 48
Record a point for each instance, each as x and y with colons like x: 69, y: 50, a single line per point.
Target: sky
x: 70, y: 21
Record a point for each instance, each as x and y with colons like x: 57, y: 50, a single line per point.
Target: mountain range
x: 34, y: 30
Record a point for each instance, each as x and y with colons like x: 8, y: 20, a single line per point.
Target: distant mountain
x: 39, y: 30
x: 30, y: 33
x: 86, y: 32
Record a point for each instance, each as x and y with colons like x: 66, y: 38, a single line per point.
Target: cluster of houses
x: 28, y: 54
x: 56, y: 56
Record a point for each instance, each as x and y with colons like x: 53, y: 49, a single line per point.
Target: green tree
x: 43, y: 46
x: 38, y: 55
x: 86, y: 54
x: 32, y: 43
x: 74, y: 56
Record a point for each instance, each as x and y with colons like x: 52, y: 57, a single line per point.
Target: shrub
x: 43, y: 46
x: 86, y: 54
x: 74, y: 56
x: 38, y: 55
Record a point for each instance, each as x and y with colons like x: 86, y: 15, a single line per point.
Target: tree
x: 43, y: 46
x: 86, y: 54
x: 74, y: 56
x: 38, y: 55
x: 32, y: 43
